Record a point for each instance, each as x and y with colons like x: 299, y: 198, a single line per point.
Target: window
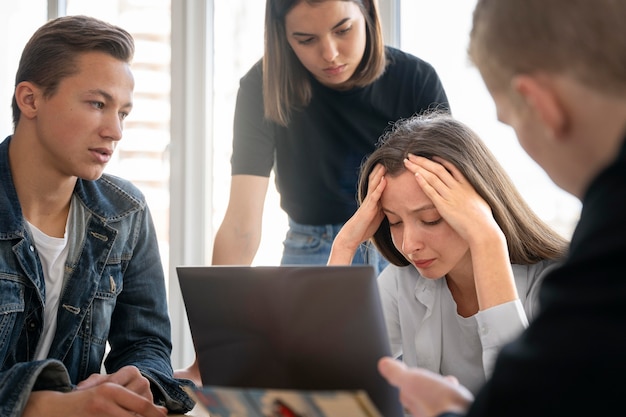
x: 437, y: 31
x: 238, y: 32
x: 18, y: 21
x: 142, y: 155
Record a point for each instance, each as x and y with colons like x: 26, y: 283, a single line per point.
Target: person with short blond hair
x: 555, y: 70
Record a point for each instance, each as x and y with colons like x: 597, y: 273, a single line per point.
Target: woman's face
x: 329, y: 39
x: 419, y: 232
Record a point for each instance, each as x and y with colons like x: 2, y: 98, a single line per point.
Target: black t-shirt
x: 318, y: 155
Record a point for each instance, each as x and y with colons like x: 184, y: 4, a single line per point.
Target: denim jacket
x: 113, y: 291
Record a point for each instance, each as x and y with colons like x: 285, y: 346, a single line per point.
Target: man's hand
x: 425, y: 393
x: 106, y: 399
x: 129, y: 377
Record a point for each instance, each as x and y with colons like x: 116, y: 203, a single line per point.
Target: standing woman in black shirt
x: 312, y: 109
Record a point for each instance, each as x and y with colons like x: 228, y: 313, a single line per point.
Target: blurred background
x: 189, y: 57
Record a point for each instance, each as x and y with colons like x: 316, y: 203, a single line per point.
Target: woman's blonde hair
x: 286, y: 83
x: 529, y: 239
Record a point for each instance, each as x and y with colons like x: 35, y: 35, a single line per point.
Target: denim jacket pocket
x: 110, y: 287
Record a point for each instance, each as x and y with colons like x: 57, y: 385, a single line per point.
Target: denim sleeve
x: 140, y: 332
x: 20, y: 380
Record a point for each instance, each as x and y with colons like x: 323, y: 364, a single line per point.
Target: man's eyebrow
x: 108, y: 96
x: 341, y: 22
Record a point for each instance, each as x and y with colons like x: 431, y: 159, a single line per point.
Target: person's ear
x: 26, y: 94
x: 542, y: 99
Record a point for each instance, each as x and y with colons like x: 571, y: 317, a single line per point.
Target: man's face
x: 533, y: 135
x: 78, y: 127
x: 537, y: 106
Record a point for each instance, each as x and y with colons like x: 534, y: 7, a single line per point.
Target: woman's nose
x: 412, y: 240
x: 329, y: 50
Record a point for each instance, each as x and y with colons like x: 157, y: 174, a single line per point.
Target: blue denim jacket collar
x: 12, y: 224
x: 11, y: 219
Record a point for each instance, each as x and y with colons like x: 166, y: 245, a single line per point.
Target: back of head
x: 578, y: 38
x: 51, y: 53
x: 438, y: 134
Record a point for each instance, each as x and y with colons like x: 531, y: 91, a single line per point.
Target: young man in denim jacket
x: 79, y: 261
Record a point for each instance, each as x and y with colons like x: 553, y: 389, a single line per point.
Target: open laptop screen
x: 291, y: 327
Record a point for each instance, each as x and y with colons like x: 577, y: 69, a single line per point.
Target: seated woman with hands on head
x: 467, y: 254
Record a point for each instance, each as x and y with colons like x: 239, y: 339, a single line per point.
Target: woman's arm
x: 238, y: 238
x: 363, y: 224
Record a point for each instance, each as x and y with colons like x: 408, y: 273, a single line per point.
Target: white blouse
x: 426, y: 331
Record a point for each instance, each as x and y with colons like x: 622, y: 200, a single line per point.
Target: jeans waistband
x: 323, y: 229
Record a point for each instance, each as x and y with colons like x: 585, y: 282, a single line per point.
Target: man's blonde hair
x: 583, y: 39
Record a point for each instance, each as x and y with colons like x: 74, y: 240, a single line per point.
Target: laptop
x: 311, y: 327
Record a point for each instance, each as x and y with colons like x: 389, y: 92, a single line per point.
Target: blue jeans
x: 310, y: 245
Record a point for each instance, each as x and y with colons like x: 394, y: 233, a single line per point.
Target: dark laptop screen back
x: 289, y: 327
